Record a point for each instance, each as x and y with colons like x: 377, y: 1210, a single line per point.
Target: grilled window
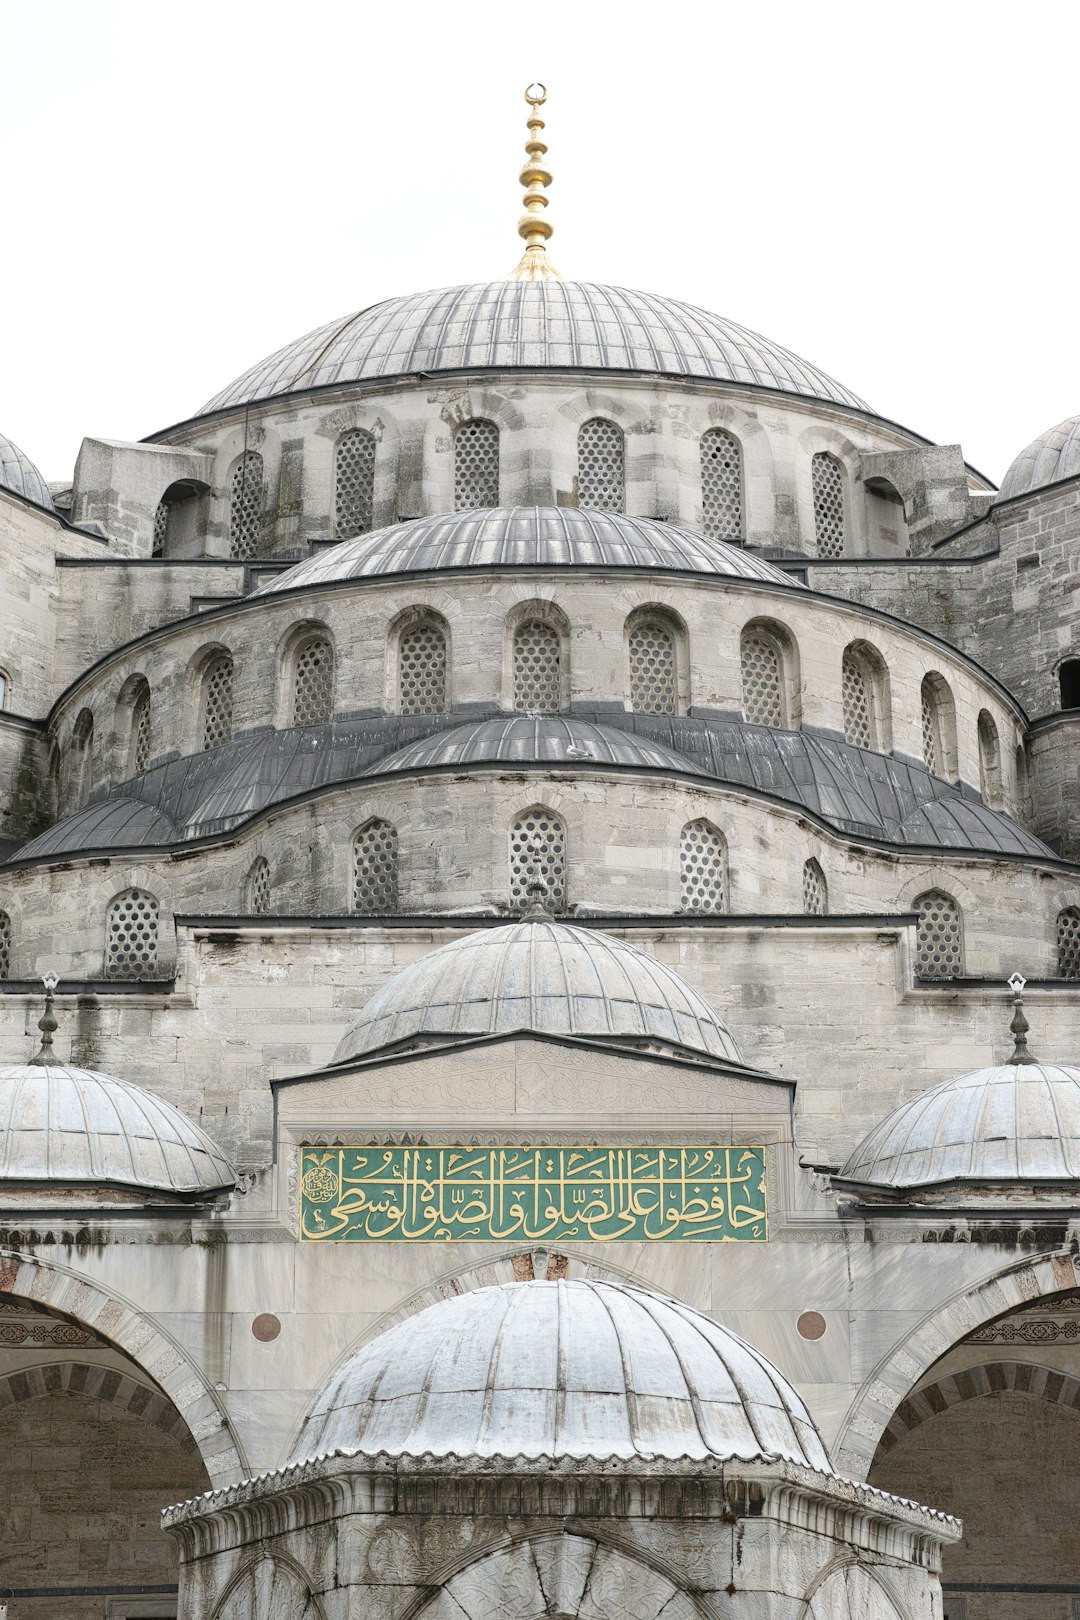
x: 140, y: 731
x: 422, y: 669
x: 538, y: 854
x: 257, y: 887
x: 938, y: 724
x: 652, y: 667
x: 601, y: 480
x: 476, y: 464
x: 989, y: 760
x: 354, y: 483
x: 161, y: 529
x: 939, y: 937
x: 721, y: 485
x: 313, y: 684
x: 217, y: 706
x: 815, y: 891
x: 702, y: 868
x: 375, y: 868
x: 828, y: 482
x: 1068, y: 943
x: 762, y: 681
x: 246, y: 506
x: 5, y: 945
x: 537, y: 668
x: 80, y: 764
x: 858, y: 725
x: 131, y: 936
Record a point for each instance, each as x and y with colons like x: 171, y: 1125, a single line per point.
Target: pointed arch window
x: 989, y: 760
x: 815, y: 891
x: 702, y: 868
x: 161, y: 530
x: 375, y: 868
x: 652, y: 653
x: 476, y: 464
x: 5, y: 945
x: 131, y: 936
x: 538, y: 845
x: 80, y: 762
x: 313, y: 683
x: 422, y: 669
x: 246, y: 506
x: 217, y: 702
x: 139, y: 748
x: 762, y: 661
x: 937, y: 714
x: 939, y: 936
x: 257, y: 887
x: 537, y: 668
x: 1068, y: 943
x: 354, y: 483
x: 601, y: 459
x: 828, y: 481
x: 721, y: 485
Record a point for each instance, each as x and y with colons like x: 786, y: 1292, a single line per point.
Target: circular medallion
x: 811, y: 1324
x: 266, y: 1328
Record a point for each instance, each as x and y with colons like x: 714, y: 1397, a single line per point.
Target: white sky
x: 889, y: 191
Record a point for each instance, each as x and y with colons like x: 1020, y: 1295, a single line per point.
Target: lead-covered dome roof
x: 530, y: 536
x: 1054, y: 455
x: 18, y: 473
x: 530, y: 325
x: 540, y: 977
x: 525, y: 739
x: 573, y: 1369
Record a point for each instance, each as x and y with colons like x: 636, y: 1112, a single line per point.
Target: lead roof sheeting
x: 18, y: 473
x: 1054, y: 455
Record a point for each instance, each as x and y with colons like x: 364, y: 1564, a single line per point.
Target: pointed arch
x: 257, y: 887
x: 655, y: 661
x: 768, y: 657
x: 374, y: 879
x: 476, y: 464
x: 5, y: 944
x: 79, y: 763
x: 311, y: 678
x: 419, y: 647
x: 830, y: 504
x: 538, y: 845
x: 246, y: 501
x: 703, y: 860
x: 722, y: 486
x: 1068, y: 943
x: 601, y: 463
x: 864, y: 680
x: 131, y: 935
x: 989, y: 761
x: 938, y: 716
x: 354, y: 483
x: 815, y: 890
x: 216, y: 702
x: 939, y: 936
x: 132, y: 726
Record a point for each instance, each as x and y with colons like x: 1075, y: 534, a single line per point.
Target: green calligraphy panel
x: 532, y: 1194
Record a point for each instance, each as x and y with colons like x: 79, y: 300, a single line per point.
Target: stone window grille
x: 537, y: 668
x: 762, y: 681
x: 375, y: 868
x: 815, y: 891
x: 131, y: 936
x: 828, y: 482
x: 5, y: 689
x: 1068, y: 943
x: 161, y: 529
x: 652, y: 667
x: 354, y: 483
x: 246, y: 506
x: 939, y: 937
x: 858, y: 725
x: 601, y: 479
x: 313, y: 683
x: 721, y: 485
x: 989, y: 760
x: 258, y: 887
x: 538, y: 845
x: 5, y: 945
x: 476, y: 464
x: 422, y: 669
x: 140, y: 732
x: 931, y: 727
x: 217, y: 712
x: 81, y: 761
x: 702, y: 868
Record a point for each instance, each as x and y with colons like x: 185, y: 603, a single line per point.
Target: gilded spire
x: 535, y: 177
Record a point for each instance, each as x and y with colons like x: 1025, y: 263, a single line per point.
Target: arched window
x: 538, y: 853
x: 476, y: 464
x: 1020, y: 767
x: 815, y: 891
x: 257, y: 888
x: 721, y: 485
x: 246, y: 505
x: 653, y: 669
x: 1068, y: 943
x: 139, y: 745
x: 217, y: 702
x: 601, y: 480
x: 5, y: 945
x: 828, y: 482
x: 537, y: 668
x: 989, y: 760
x: 375, y: 868
x: 354, y: 483
x: 131, y: 936
x: 422, y: 669
x: 938, y: 725
x: 161, y: 530
x: 702, y: 868
x: 5, y: 690
x: 313, y: 683
x: 1069, y: 683
x: 762, y: 659
x: 864, y: 685
x: 939, y: 952
x: 80, y: 763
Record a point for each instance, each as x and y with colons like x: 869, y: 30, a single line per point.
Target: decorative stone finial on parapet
x: 1019, y: 1026
x: 537, y: 899
x: 534, y: 264
x: 47, y: 1025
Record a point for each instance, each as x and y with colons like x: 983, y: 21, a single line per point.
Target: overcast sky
x: 889, y: 191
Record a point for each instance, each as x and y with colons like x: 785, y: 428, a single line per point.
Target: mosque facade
x: 539, y: 972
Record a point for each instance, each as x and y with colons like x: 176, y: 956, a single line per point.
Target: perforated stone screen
x: 721, y: 485
x: 989, y: 760
x: 5, y: 945
x: 538, y: 843
x: 354, y: 483
x: 375, y: 868
x: 762, y: 682
x: 939, y: 937
x: 856, y: 693
x: 702, y: 868
x: 246, y: 505
x: 476, y: 464
x: 161, y: 529
x: 217, y: 703
x: 258, y: 887
x: 601, y: 478
x: 815, y: 893
x: 140, y: 732
x: 828, y: 481
x: 313, y: 686
x: 928, y: 709
x: 537, y: 674
x: 1068, y: 943
x: 131, y: 936
x: 652, y: 667
x: 422, y: 670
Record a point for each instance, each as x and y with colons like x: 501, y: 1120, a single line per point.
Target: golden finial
x: 535, y: 176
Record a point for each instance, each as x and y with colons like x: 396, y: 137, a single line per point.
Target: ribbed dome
x: 526, y: 739
x: 71, y: 1127
x: 1016, y: 1122
x: 531, y: 536
x: 542, y: 977
x: 18, y: 473
x: 568, y: 1369
x: 553, y: 325
x: 1054, y: 455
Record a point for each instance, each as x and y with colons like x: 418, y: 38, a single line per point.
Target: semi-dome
x: 530, y: 325
x: 522, y: 739
x: 18, y: 473
x: 1054, y: 455
x: 572, y: 1369
x: 540, y: 977
x: 529, y: 536
x: 72, y: 1128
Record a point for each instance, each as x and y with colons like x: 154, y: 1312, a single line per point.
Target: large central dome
x: 530, y: 325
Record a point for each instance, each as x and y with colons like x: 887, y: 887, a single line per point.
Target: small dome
x: 1054, y: 455
x: 70, y: 1127
x: 530, y: 326
x: 18, y: 473
x: 527, y: 739
x: 527, y: 536
x: 542, y: 977
x: 561, y: 1369
x: 1018, y: 1122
